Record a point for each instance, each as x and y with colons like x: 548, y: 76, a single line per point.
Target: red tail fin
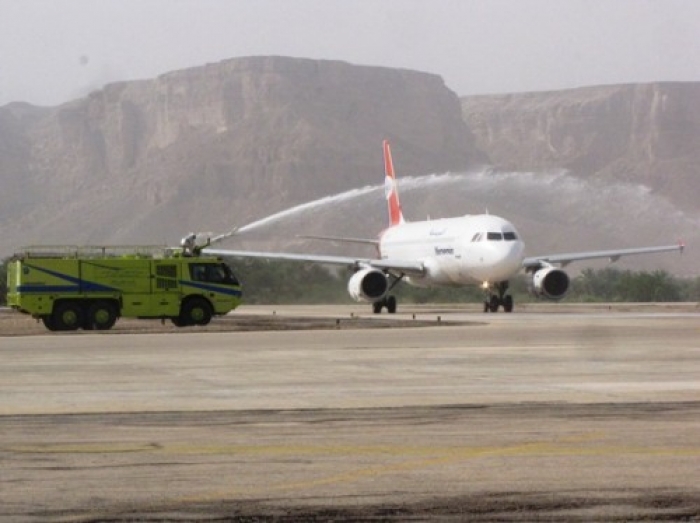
x: 390, y: 189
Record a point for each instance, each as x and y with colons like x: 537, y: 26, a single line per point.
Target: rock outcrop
x: 217, y: 145
x: 644, y: 134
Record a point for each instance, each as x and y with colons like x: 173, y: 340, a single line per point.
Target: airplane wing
x: 408, y: 267
x: 536, y: 262
x: 365, y: 241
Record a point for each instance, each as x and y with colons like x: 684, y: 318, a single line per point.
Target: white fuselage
x: 480, y: 249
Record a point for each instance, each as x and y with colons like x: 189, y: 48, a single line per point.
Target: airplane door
x: 458, y: 263
x: 465, y: 259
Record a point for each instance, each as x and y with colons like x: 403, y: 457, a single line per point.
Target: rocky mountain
x: 640, y: 134
x: 231, y: 143
x: 212, y: 146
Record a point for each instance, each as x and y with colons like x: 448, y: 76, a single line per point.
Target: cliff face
x: 645, y: 134
x: 218, y: 145
x: 229, y: 143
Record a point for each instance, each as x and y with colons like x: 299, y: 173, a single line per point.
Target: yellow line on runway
x: 82, y: 448
x: 401, y: 458
x: 563, y: 446
x: 439, y: 456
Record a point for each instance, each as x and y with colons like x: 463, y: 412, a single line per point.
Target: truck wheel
x: 67, y: 316
x: 102, y: 315
x: 196, y: 312
x: 49, y: 323
x: 177, y: 321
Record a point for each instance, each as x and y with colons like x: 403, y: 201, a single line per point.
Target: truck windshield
x: 229, y: 277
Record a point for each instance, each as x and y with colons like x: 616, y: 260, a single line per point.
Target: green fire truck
x: 69, y: 288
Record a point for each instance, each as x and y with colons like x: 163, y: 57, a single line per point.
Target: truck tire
x: 196, y: 311
x: 177, y: 321
x: 49, y: 323
x: 67, y: 316
x: 102, y: 315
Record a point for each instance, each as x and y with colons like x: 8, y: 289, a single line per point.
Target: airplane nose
x: 507, y: 258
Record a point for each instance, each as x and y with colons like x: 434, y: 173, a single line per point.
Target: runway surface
x: 585, y: 413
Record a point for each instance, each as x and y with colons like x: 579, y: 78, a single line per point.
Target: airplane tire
x: 494, y: 303
x: 508, y: 303
x: 377, y: 306
x: 391, y: 304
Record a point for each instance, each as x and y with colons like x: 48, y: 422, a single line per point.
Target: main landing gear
x: 494, y: 301
x: 388, y: 301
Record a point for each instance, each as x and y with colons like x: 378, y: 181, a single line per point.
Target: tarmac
x: 558, y: 413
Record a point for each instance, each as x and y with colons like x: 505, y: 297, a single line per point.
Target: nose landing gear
x: 494, y: 301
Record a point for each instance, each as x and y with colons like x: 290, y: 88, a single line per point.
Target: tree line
x: 286, y: 282
x: 269, y: 282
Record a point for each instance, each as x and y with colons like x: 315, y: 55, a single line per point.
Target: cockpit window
x: 510, y: 236
x: 494, y: 236
x: 477, y: 237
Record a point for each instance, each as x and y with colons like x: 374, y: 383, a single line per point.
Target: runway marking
x: 81, y: 448
x: 407, y: 458
x: 560, y: 446
x: 434, y: 457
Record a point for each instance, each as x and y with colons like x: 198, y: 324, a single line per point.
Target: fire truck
x: 70, y: 288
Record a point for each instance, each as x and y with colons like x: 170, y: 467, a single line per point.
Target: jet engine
x: 368, y: 285
x: 550, y: 283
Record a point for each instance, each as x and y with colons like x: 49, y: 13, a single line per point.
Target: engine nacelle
x: 368, y: 285
x: 550, y: 283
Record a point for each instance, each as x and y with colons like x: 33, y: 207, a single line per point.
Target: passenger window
x: 497, y: 236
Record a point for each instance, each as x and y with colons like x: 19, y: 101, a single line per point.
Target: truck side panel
x: 14, y: 269
x: 110, y: 275
x: 41, y: 280
x: 148, y: 288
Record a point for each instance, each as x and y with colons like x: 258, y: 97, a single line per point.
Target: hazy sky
x: 52, y: 51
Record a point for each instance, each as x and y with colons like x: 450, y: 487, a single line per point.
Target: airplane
x: 483, y: 249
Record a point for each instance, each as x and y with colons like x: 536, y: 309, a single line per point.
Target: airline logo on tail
x: 390, y: 189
